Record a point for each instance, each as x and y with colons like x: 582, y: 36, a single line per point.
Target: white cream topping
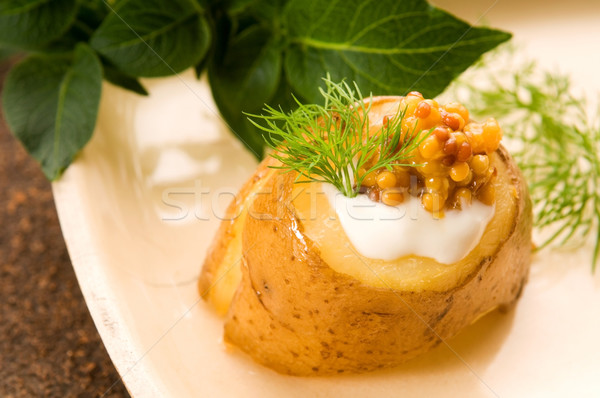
x: 386, y: 232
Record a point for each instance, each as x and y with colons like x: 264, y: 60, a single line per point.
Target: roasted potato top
x: 298, y: 299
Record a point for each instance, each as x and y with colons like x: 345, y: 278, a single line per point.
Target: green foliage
x: 6, y: 53
x: 118, y: 78
x: 386, y: 46
x: 57, y: 116
x: 557, y: 144
x: 256, y: 52
x: 32, y: 23
x: 247, y: 78
x: 149, y: 38
x: 275, y: 53
x: 331, y: 142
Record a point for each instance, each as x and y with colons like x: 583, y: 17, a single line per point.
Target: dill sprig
x: 556, y: 144
x: 331, y: 142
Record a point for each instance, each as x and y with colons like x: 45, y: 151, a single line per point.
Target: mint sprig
x: 29, y: 24
x: 150, y: 38
x: 256, y: 52
x: 56, y: 118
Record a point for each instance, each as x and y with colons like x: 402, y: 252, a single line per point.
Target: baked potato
x: 298, y: 298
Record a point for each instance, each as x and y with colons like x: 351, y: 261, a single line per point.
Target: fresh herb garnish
x: 332, y: 142
x: 256, y: 51
x: 57, y: 114
x: 556, y: 143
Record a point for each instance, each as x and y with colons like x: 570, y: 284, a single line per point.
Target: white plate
x: 133, y: 211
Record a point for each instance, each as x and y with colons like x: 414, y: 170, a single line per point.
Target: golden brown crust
x: 293, y: 313
x: 224, y: 234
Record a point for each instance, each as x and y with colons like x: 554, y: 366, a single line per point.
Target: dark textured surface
x: 49, y: 346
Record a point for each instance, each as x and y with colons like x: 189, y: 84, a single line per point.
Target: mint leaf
x: 237, y: 6
x: 92, y: 12
x: 153, y: 37
x: 120, y: 79
x: 285, y: 98
x: 386, y: 46
x: 32, y: 23
x: 246, y: 79
x: 89, y: 16
x: 51, y: 103
x: 249, y: 73
x: 6, y: 53
x: 267, y: 10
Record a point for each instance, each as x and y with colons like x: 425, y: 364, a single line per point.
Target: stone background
x: 49, y: 346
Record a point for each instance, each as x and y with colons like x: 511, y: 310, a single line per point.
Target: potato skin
x: 210, y: 270
x: 293, y: 313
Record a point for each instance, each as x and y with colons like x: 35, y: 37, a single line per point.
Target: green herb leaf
x: 51, y: 104
x: 284, y: 98
x: 385, y: 46
x: 32, y: 23
x: 250, y: 72
x: 246, y: 79
x: 6, y: 53
x: 120, y: 79
x: 237, y: 6
x: 268, y: 11
x: 148, y: 38
x: 257, y: 51
x: 330, y: 143
x: 557, y: 143
x: 92, y: 12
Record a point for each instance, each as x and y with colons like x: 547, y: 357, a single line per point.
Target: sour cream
x: 386, y: 232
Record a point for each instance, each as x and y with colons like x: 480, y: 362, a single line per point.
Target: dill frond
x: 331, y: 142
x: 557, y: 144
